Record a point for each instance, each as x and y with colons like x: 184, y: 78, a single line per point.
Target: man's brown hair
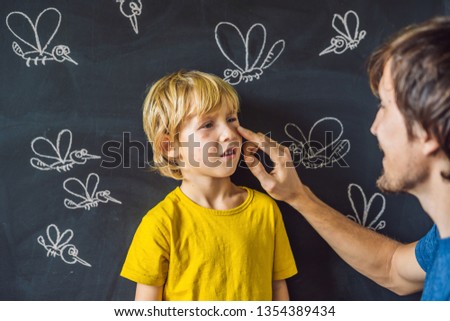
x: 420, y: 70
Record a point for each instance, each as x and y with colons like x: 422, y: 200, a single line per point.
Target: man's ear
x: 430, y: 145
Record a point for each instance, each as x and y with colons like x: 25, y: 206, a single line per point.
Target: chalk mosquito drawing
x: 247, y: 63
x: 58, y: 157
x: 348, y: 31
x: 135, y: 9
x: 86, y: 193
x: 356, y: 195
x: 43, y: 30
x: 321, y: 148
x: 58, y: 245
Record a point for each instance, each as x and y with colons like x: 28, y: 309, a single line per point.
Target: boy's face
x: 210, y: 144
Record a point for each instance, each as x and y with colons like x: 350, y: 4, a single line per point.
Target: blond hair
x: 171, y: 100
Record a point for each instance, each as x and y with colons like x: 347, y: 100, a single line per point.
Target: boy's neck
x: 215, y: 193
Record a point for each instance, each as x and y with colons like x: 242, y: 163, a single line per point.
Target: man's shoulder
x: 426, y: 248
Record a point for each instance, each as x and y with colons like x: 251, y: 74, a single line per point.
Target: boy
x: 208, y: 239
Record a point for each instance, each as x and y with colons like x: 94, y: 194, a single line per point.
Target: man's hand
x: 282, y: 183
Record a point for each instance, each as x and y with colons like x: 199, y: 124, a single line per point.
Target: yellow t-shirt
x: 205, y: 254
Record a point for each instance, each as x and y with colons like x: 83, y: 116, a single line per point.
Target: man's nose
x: 374, y: 127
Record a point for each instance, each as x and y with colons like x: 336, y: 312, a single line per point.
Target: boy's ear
x: 168, y: 146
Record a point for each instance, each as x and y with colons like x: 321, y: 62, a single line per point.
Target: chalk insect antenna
x: 58, y: 156
x: 365, y: 212
x: 131, y: 12
x: 349, y: 35
x: 37, y: 43
x: 246, y: 58
x: 58, y: 245
x: 86, y: 194
x: 320, y: 148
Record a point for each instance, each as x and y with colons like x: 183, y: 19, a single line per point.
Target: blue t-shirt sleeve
x: 426, y: 248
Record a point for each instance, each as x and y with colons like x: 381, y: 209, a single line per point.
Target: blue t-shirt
x: 433, y: 255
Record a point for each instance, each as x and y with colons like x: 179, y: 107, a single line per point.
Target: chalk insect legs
x: 255, y: 37
x: 36, y: 52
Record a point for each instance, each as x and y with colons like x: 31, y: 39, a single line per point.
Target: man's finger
x: 249, y: 148
x: 256, y: 168
x: 249, y: 135
x: 266, y: 144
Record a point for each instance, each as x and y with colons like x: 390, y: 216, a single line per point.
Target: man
x: 411, y: 76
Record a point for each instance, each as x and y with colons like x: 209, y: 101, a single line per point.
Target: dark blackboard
x: 73, y: 87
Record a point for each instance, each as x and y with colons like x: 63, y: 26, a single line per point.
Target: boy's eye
x: 232, y: 119
x: 207, y: 125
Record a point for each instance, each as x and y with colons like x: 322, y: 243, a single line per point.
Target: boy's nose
x: 229, y: 132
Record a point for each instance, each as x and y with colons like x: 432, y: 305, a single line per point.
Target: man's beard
x: 414, y: 175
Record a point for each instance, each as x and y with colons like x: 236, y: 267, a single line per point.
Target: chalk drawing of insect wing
x: 132, y: 12
x: 323, y: 147
x: 245, y: 53
x: 58, y: 157
x: 37, y: 36
x: 86, y: 193
x: 367, y: 214
x: 348, y: 36
x: 57, y: 244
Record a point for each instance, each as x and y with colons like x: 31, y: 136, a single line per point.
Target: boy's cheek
x: 212, y: 151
